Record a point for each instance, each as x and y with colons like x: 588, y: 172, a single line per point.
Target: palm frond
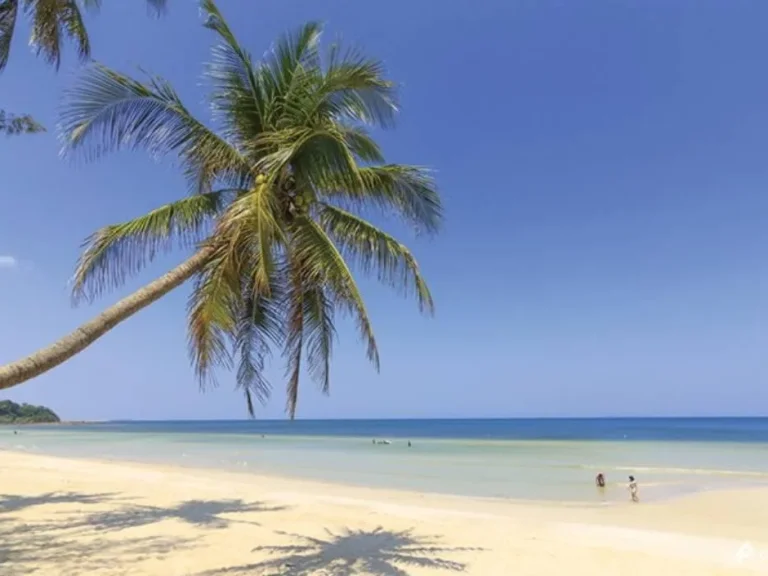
x: 9, y: 9
x: 46, y: 35
x: 219, y: 303
x: 258, y: 326
x: 107, y: 111
x: 353, y: 88
x: 294, y: 337
x: 408, y: 191
x: 71, y: 20
x: 362, y: 145
x: 239, y: 100
x: 311, y: 154
x: 263, y: 222
x: 213, y: 310
x: 12, y: 124
x: 320, y: 335
x: 322, y: 263
x: 375, y: 251
x: 293, y: 54
x: 118, y: 251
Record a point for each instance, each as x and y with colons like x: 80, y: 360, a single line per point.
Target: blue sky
x: 604, y: 172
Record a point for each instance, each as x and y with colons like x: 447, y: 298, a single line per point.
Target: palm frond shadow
x: 376, y: 552
x: 200, y: 513
x: 18, y: 502
x: 38, y: 548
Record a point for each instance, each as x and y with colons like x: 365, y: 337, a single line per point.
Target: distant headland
x: 12, y: 413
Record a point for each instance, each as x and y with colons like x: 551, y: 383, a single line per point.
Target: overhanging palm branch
x: 53, y: 21
x: 284, y: 184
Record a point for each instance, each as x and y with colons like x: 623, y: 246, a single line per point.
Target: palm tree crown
x: 278, y: 194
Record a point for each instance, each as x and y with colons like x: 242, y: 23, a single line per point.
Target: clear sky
x: 604, y: 167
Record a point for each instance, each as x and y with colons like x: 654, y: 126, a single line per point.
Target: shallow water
x: 490, y: 466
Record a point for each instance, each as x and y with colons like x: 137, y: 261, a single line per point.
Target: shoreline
x: 538, y: 471
x: 71, y: 516
x: 339, y: 491
x: 300, y: 483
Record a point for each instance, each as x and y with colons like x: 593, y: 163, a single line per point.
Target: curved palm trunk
x: 65, y: 348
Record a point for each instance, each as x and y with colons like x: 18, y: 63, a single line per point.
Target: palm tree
x: 52, y: 22
x: 276, y: 214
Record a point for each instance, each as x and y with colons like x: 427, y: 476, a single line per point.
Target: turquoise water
x: 555, y: 463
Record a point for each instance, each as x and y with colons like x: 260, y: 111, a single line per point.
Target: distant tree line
x: 12, y: 413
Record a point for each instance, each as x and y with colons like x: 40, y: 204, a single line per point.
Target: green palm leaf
x: 71, y: 21
x: 374, y: 251
x: 213, y: 314
x: 294, y: 340
x: 407, y: 191
x: 293, y: 57
x: 240, y: 101
x: 259, y: 327
x: 353, y: 88
x: 107, y: 111
x: 323, y: 263
x: 118, y: 251
x: 320, y: 335
x: 46, y: 33
x: 9, y: 9
x: 218, y: 298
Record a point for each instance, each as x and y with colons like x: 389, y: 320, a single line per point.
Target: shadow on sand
x: 200, y: 513
x: 17, y: 502
x: 79, y: 541
x: 376, y: 552
x: 43, y: 549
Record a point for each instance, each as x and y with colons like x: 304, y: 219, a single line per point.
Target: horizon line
x: 435, y: 418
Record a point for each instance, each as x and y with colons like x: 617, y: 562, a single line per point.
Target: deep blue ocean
x: 540, y: 459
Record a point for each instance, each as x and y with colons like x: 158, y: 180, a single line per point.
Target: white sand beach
x: 65, y: 517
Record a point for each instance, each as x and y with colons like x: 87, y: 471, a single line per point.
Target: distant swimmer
x: 633, y: 489
x: 600, y: 480
x: 409, y: 443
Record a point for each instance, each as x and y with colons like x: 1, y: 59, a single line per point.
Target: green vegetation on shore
x: 12, y: 413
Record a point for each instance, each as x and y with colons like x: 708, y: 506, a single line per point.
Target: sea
x: 522, y: 459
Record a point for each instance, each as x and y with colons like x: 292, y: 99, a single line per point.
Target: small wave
x: 677, y: 470
x: 702, y: 471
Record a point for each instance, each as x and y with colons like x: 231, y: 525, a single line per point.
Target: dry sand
x: 63, y: 517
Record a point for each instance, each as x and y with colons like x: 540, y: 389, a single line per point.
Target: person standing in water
x: 633, y: 489
x: 600, y: 480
